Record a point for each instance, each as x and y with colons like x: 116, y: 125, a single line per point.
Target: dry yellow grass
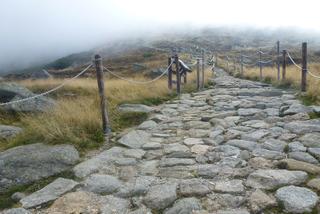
x: 76, y: 119
x: 293, y: 76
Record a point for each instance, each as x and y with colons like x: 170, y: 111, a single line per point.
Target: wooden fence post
x: 304, y: 68
x: 260, y: 63
x: 176, y: 59
x: 198, y: 74
x: 169, y: 73
x: 284, y: 64
x: 202, y: 70
x: 234, y: 65
x: 103, y: 106
x: 278, y: 59
x: 185, y: 77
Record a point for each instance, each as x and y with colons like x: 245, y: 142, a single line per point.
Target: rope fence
x: 47, y: 92
x: 276, y: 57
x: 181, y: 70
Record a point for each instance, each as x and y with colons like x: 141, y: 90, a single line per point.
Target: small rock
x: 150, y: 124
x: 297, y: 199
x: 165, y: 162
x: 102, y: 184
x: 232, y: 186
x: 16, y: 211
x: 200, y: 149
x: 273, y: 155
x: 274, y: 145
x: 270, y: 178
x: 185, y: 206
x: 243, y: 144
x: 193, y: 141
x: 303, y: 156
x: 314, y: 183
x: 161, y: 196
x: 152, y: 145
x: 49, y: 193
x: 7, y: 132
x: 17, y: 196
x: 135, y: 139
x: 303, y: 127
x: 260, y: 201
x: 193, y: 187
x: 292, y: 164
x: 315, y: 152
x: 296, y: 147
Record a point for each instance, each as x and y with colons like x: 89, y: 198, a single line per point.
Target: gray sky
x: 35, y: 30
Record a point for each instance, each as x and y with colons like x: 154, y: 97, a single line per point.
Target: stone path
x: 240, y: 147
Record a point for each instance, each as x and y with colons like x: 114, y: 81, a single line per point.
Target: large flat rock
x: 26, y: 164
x: 49, y: 193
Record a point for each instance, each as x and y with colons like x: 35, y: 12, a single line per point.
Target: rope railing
x: 135, y: 81
x: 47, y: 92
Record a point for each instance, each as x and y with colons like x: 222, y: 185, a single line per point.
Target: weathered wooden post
x: 103, y: 106
x: 278, y: 59
x: 284, y: 64
x: 169, y: 73
x: 185, y: 77
x: 202, y: 70
x: 228, y: 65
x: 260, y: 63
x: 234, y: 65
x: 176, y: 61
x: 198, y: 73
x: 304, y: 68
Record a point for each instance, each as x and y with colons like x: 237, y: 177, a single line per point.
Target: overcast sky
x: 33, y: 30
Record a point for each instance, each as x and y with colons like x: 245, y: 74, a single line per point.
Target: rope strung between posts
x: 293, y: 60
x: 47, y: 92
x: 311, y: 74
x: 138, y: 82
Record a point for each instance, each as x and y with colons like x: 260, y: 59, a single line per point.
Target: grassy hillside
x: 76, y: 119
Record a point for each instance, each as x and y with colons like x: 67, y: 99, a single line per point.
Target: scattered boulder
x: 26, y: 164
x: 49, y: 193
x: 138, y: 108
x: 7, y: 132
x: 297, y: 199
x: 12, y: 92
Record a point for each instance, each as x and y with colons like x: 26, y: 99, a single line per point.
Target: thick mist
x: 38, y: 31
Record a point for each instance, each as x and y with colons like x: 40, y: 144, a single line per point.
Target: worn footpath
x: 240, y: 147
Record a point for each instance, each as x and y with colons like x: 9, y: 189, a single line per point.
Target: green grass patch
x: 129, y: 119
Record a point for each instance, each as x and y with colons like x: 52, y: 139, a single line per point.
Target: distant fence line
x: 175, y: 66
x: 260, y: 60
